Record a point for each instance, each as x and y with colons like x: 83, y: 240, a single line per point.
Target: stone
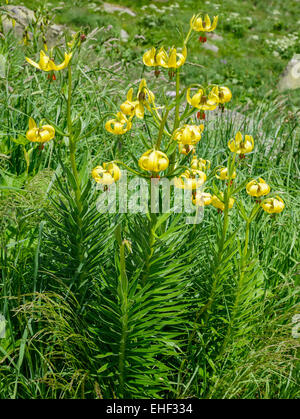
x: 290, y: 79
x: 24, y: 17
x: 171, y: 93
x: 214, y: 36
x: 2, y: 66
x: 111, y: 8
x: 210, y: 47
x: 124, y: 35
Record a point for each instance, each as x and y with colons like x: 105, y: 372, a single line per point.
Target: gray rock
x: 111, y: 8
x: 124, y: 35
x: 24, y: 17
x: 214, y: 36
x: 210, y: 47
x: 290, y: 79
x: 2, y: 65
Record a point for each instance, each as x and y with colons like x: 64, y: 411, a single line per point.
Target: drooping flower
x: 39, y: 134
x: 273, y: 205
x: 137, y: 106
x: 106, y: 174
x: 199, y: 25
x: 222, y: 173
x: 239, y: 145
x: 189, y: 134
x: 202, y: 101
x: 186, y: 149
x: 154, y: 161
x: 219, y: 204
x: 224, y: 94
x: 255, y: 188
x: 173, y: 59
x: 119, y: 125
x: 47, y: 64
x: 200, y: 164
x: 190, y: 179
x: 202, y: 198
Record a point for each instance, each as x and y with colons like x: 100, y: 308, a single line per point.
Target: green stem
x: 161, y: 129
x: 72, y: 143
x: 153, y: 221
x: 177, y: 119
x: 123, y: 295
x: 215, y: 275
x: 239, y: 288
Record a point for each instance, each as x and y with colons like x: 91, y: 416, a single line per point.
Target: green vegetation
x: 146, y: 306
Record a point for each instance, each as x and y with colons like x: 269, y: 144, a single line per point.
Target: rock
x: 290, y: 78
x: 171, y: 93
x: 24, y: 17
x: 210, y: 47
x: 2, y: 65
x: 214, y: 36
x: 124, y: 35
x: 111, y: 8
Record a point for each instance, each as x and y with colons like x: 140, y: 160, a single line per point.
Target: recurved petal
x: 108, y: 125
x: 207, y: 22
x: 238, y: 137
x: 149, y: 57
x: 32, y: 123
x: 129, y: 95
x: 31, y: 134
x: 140, y: 110
x: 172, y: 61
x: 181, y: 57
x: 50, y: 130
x: 162, y: 58
x: 33, y: 63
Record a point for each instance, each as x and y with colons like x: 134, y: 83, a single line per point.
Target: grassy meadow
x: 144, y: 305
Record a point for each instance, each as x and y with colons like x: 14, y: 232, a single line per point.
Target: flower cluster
x: 185, y: 134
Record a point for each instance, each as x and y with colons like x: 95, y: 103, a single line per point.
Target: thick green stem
x: 123, y: 296
x: 239, y: 288
x: 72, y: 143
x: 151, y: 247
x: 177, y: 119
x: 161, y: 129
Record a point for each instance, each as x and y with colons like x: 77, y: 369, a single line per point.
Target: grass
x: 104, y: 305
x: 253, y: 53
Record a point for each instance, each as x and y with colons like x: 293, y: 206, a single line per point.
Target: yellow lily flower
x: 190, y: 180
x: 106, y: 174
x: 202, y: 198
x: 173, y: 59
x: 47, y: 64
x: 189, y: 134
x: 239, y: 145
x: 219, y: 204
x: 39, y: 135
x: 154, y: 161
x: 255, y: 188
x: 119, y: 125
x: 186, y: 149
x: 222, y: 173
x: 204, y: 102
x: 137, y: 107
x: 273, y: 205
x: 198, y: 25
x: 200, y: 164
x: 224, y: 94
